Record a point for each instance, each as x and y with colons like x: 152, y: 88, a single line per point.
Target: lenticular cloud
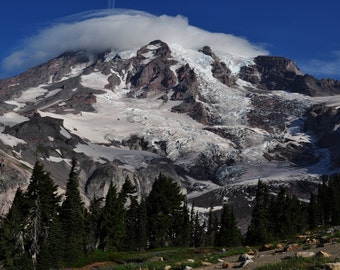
x: 121, y: 30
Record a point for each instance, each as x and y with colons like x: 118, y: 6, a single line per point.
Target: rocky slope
x: 216, y: 123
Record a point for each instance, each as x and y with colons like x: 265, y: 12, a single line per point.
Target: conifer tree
x: 132, y: 223
x: 328, y: 199
x: 334, y: 192
x: 113, y: 229
x: 212, y: 228
x: 72, y: 219
x: 314, y: 216
x: 43, y: 201
x: 12, y: 230
x: 163, y: 204
x: 228, y: 233
x: 127, y: 190
x: 323, y: 198
x: 93, y: 224
x: 198, y: 231
x: 183, y: 226
x: 142, y: 228
x: 259, y: 228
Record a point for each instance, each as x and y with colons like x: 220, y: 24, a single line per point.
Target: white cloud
x: 121, y: 30
x: 321, y: 68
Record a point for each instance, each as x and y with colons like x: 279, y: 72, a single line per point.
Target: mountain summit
x: 214, y: 122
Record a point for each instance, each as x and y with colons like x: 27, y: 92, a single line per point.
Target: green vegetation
x: 297, y: 263
x: 44, y: 230
x: 177, y: 258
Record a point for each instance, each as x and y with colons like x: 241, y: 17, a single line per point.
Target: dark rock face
x: 219, y: 69
x: 53, y: 70
x: 271, y: 73
x: 37, y: 129
x: 155, y: 76
x: 324, y: 122
x: 187, y: 87
x: 187, y: 90
x: 271, y: 113
x: 311, y: 86
x: 100, y: 178
x: 303, y: 154
x: 279, y: 73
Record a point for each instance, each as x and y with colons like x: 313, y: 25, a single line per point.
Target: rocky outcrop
x: 301, y: 154
x: 52, y: 71
x: 323, y: 121
x: 142, y: 177
x: 219, y: 69
x: 272, y: 113
x: 187, y: 87
x: 39, y: 129
x: 187, y: 90
x: 279, y: 73
x: 155, y: 76
x: 311, y: 86
x: 271, y: 73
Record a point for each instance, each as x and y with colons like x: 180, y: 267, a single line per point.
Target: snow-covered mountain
x: 214, y: 122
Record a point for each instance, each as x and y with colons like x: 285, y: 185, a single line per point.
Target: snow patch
x: 10, y: 140
x: 96, y: 80
x: 12, y: 118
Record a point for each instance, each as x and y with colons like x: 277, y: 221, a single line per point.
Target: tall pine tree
x: 228, y: 233
x: 93, y: 224
x: 72, y: 219
x: 259, y: 228
x: 113, y: 228
x: 43, y: 200
x: 12, y: 231
x: 163, y: 204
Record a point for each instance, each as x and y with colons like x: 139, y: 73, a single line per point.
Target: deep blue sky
x: 305, y: 31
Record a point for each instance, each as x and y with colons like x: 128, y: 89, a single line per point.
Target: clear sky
x: 306, y: 31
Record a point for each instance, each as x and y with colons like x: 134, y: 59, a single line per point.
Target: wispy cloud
x: 329, y: 67
x: 122, y: 30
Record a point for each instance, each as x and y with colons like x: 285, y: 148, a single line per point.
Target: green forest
x: 44, y: 230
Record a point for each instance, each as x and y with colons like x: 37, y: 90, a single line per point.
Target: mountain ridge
x: 216, y: 123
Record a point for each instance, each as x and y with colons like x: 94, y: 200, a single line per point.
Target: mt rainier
x: 213, y: 121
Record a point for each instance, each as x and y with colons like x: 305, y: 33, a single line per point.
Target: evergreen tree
x: 259, y: 228
x: 127, y: 190
x: 132, y: 224
x: 12, y: 230
x: 334, y: 193
x: 51, y: 253
x: 183, y: 227
x: 93, y: 224
x: 142, y: 226
x: 278, y: 219
x: 212, y: 228
x: 163, y: 204
x: 314, y: 216
x: 43, y: 203
x: 329, y: 199
x: 113, y: 227
x: 198, y: 231
x: 136, y: 225
x: 228, y: 234
x: 72, y: 219
x: 324, y: 201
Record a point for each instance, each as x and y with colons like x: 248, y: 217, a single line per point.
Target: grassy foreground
x: 296, y: 263
x: 177, y: 258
